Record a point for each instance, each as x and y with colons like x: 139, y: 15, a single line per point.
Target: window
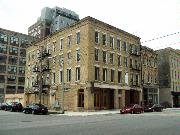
x: 126, y: 78
x: 54, y: 60
x: 124, y: 46
x: 2, y: 79
x: 12, y: 60
x: 3, y: 48
x: 11, y: 79
x: 112, y: 42
x: 96, y: 54
x: 68, y: 75
x: 78, y: 55
x: 21, y: 70
x: 22, y: 61
x: 97, y: 73
x: 24, y: 42
x: 111, y: 58
x: 131, y: 63
x: 14, y: 40
x: 3, y: 59
x: 3, y: 38
x: 77, y: 73
x: 13, y: 51
x: 61, y: 44
x: 12, y: 69
x: 104, y: 74
x: 96, y: 37
x: 104, y: 39
x: 21, y: 80
x: 69, y: 41
x: 20, y: 89
x: 125, y: 61
x: 2, y: 68
x: 104, y: 57
x: 23, y: 53
x: 10, y: 89
x: 60, y: 76
x: 118, y: 45
x: 78, y: 37
x: 137, y: 79
x: 112, y: 75
x: 119, y: 60
x: 54, y: 46
x: 61, y: 60
x: 119, y: 77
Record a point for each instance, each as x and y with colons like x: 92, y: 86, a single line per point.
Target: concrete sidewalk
x: 88, y: 113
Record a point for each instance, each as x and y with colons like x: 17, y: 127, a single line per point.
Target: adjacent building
x: 169, y: 72
x: 150, y: 83
x: 12, y: 64
x: 98, y: 63
x: 52, y: 20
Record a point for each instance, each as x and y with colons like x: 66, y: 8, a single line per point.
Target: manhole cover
x: 26, y: 121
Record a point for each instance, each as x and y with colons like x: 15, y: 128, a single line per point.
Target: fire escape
x: 42, y: 70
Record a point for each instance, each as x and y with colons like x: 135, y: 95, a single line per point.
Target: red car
x: 132, y: 108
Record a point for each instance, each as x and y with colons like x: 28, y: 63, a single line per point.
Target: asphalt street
x: 156, y: 123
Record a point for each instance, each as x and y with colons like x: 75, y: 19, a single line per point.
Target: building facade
x: 12, y: 65
x: 149, y: 76
x: 52, y: 20
x: 169, y: 72
x: 98, y: 63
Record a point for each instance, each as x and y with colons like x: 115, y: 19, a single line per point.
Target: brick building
x: 101, y: 66
x: 12, y: 64
x: 149, y: 76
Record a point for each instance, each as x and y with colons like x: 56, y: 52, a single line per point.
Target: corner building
x: 101, y: 66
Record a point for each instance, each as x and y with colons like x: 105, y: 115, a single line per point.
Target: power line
x: 161, y: 37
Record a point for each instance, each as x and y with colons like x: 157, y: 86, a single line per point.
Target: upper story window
x: 22, y: 61
x: 96, y: 37
x: 23, y: 53
x: 3, y: 59
x: 119, y: 60
x: 69, y: 41
x: 60, y: 60
x: 126, y: 78
x: 3, y: 38
x: 2, y: 68
x: 104, y: 39
x: 104, y: 74
x: 13, y: 51
x: 3, y: 48
x: 104, y: 57
x: 119, y: 45
x: 125, y: 61
x: 12, y: 60
x: 112, y: 75
x: 68, y: 75
x: 24, y: 42
x: 78, y: 55
x: 21, y: 70
x: 77, y: 73
x: 97, y: 73
x: 12, y: 69
x: 112, y: 42
x: 124, y: 46
x: 96, y: 54
x: 53, y: 78
x: 119, y: 76
x: 14, y: 40
x: 54, y: 46
x: 61, y: 44
x: 78, y: 37
x: 111, y: 58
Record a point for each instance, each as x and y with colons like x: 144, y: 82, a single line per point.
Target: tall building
x: 100, y: 66
x: 169, y: 76
x: 149, y: 76
x: 52, y: 20
x: 12, y: 64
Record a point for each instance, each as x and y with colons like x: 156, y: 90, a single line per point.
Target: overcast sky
x: 147, y: 19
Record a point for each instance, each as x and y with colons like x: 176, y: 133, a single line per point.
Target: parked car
x: 35, y: 109
x: 153, y: 108
x: 132, y: 108
x: 16, y: 106
x: 7, y: 107
x: 3, y: 106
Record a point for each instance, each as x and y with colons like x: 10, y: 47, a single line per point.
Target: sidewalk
x: 88, y: 113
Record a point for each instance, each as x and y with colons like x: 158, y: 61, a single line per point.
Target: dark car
x: 153, y: 108
x: 132, y: 108
x: 16, y: 106
x: 3, y: 106
x: 36, y: 109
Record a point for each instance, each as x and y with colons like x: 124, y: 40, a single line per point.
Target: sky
x: 147, y: 19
